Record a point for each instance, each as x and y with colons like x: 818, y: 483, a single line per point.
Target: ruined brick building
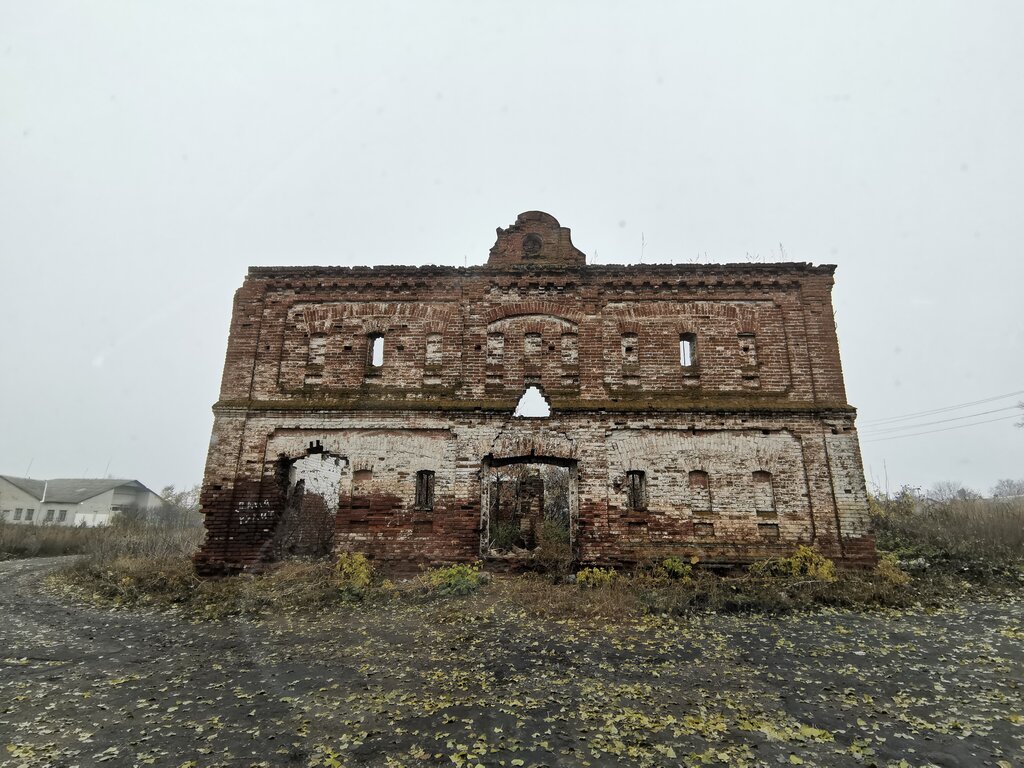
x: 694, y: 409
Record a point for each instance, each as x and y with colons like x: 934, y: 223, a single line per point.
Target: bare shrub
x: 976, y: 536
x: 554, y: 550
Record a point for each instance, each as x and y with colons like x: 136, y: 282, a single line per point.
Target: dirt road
x: 473, y: 682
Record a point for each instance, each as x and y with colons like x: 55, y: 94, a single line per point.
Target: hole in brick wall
x: 532, y: 405
x: 704, y: 530
x: 687, y: 349
x: 529, y: 508
x: 376, y: 350
x: 425, y: 489
x: 630, y: 349
x: 636, y: 490
x: 769, y: 531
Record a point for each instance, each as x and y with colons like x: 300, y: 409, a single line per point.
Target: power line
x: 942, y: 410
x: 944, y: 429
x: 882, y: 430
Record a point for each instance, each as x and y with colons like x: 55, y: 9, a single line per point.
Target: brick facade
x: 743, y: 442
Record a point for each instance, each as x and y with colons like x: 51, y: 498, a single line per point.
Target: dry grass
x: 981, y: 538
x: 107, y: 542
x: 969, y: 545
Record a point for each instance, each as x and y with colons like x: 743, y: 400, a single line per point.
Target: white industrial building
x: 71, y: 502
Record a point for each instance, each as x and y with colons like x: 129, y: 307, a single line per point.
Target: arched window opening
x: 687, y: 350
x: 532, y: 405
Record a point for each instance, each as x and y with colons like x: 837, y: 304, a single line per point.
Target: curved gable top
x: 535, y: 238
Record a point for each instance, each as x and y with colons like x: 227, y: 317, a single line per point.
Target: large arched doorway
x: 527, y: 501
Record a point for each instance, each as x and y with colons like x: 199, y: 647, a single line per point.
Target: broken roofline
x: 696, y: 270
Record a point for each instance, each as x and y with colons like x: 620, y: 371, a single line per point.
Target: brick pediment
x: 535, y: 238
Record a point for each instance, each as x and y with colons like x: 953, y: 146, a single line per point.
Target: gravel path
x: 469, y: 682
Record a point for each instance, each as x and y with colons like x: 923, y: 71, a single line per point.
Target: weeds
x: 594, y: 578
x: 554, y: 550
x: 458, y: 579
x: 353, y: 574
x: 804, y: 563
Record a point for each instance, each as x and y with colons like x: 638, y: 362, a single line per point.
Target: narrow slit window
x: 376, y: 348
x: 687, y: 350
x: 636, y: 490
x: 425, y: 489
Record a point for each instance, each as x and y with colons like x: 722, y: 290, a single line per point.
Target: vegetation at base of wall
x: 932, y: 550
x: 596, y: 578
x: 458, y: 579
x: 804, y: 563
x: 353, y: 574
x: 304, y: 586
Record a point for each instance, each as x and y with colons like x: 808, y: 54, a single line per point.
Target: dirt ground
x: 468, y: 681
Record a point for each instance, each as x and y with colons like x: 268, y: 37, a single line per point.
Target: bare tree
x: 1008, y: 487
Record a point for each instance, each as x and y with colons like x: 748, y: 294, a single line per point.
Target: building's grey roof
x: 68, y: 491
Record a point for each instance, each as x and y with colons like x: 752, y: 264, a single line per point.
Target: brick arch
x: 321, y: 318
x: 533, y: 307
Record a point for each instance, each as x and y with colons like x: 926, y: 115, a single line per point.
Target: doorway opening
x: 529, y: 508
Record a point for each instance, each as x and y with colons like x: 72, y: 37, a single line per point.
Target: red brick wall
x: 297, y: 371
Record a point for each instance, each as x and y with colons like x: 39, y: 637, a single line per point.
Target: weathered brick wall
x: 763, y: 394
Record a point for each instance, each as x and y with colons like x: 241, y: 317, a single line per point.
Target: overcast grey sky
x: 151, y: 151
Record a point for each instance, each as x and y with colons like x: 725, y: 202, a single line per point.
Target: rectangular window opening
x: 62, y: 516
x: 636, y: 490
x: 425, y: 489
x: 376, y: 350
x: 687, y: 350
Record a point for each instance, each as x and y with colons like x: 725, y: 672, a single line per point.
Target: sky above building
x: 150, y: 152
